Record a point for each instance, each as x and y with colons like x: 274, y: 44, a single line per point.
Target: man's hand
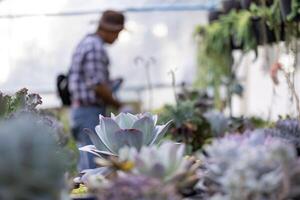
x: 104, y: 92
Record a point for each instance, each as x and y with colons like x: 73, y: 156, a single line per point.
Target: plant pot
x: 286, y: 9
x: 234, y: 45
x: 246, y: 4
x: 214, y: 16
x: 262, y: 32
x: 229, y: 5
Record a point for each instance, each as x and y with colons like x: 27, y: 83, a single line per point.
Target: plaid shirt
x: 89, y: 68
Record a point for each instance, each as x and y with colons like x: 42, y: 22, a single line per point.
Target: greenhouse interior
x: 149, y: 100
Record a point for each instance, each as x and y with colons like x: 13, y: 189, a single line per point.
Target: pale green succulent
x: 32, y: 165
x: 163, y: 162
x: 125, y: 129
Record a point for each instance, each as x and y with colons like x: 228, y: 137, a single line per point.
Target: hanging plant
x: 229, y: 5
x: 290, y: 10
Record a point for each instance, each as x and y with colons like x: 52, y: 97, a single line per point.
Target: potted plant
x: 214, y: 15
x: 246, y: 4
x: 229, y: 5
x: 290, y: 10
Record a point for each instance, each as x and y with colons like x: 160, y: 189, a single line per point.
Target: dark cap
x: 112, y: 21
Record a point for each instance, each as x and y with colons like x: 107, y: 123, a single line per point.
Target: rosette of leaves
x: 166, y: 162
x: 249, y: 167
x: 189, y: 127
x: 131, y: 187
x: 31, y: 163
x: 125, y: 129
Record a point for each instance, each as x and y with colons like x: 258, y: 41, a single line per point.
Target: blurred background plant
x: 249, y: 167
x: 23, y: 103
x: 130, y: 187
x: 32, y: 165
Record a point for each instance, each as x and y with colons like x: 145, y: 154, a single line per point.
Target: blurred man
x: 89, y: 81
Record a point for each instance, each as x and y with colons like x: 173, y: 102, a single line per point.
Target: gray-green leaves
x: 125, y: 129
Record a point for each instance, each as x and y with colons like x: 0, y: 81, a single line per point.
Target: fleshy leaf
x: 160, y: 131
x: 92, y: 149
x: 96, y: 140
x: 127, y: 137
x: 146, y: 126
x: 125, y: 121
x: 106, y: 132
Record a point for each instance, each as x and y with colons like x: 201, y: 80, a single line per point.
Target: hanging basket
x: 229, y: 5
x: 246, y: 4
x: 214, y: 16
x: 262, y: 32
x: 286, y: 9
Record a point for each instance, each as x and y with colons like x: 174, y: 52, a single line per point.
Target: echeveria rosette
x: 247, y: 167
x: 163, y: 162
x: 125, y: 129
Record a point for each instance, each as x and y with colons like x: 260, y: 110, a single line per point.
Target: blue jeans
x: 81, y: 118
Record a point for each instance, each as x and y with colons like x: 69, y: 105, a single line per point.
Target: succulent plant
x: 166, y: 162
x: 189, y: 127
x: 251, y: 167
x: 163, y: 162
x: 131, y: 187
x: 31, y: 163
x: 20, y: 102
x: 125, y: 129
x: 286, y: 129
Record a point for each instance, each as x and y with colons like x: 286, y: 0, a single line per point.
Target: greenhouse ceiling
x: 20, y: 8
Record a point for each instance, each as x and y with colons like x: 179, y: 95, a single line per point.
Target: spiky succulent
x: 131, y: 187
x: 31, y: 165
x: 251, y: 167
x: 125, y: 129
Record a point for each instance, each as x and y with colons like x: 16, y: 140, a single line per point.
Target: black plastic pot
x: 262, y: 32
x: 234, y: 45
x: 213, y: 16
x: 228, y: 5
x: 286, y: 9
x: 245, y: 4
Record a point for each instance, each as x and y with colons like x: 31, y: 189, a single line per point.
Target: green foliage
x: 237, y: 29
x: 190, y: 127
x: 21, y: 101
x: 295, y: 10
